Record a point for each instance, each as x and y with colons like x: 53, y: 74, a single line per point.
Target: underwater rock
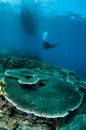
x: 27, y: 20
x: 54, y: 99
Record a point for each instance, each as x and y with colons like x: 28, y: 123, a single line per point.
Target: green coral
x: 54, y: 98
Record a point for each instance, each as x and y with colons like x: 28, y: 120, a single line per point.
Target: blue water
x: 65, y: 22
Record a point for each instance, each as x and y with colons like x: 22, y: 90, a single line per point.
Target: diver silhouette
x: 46, y: 45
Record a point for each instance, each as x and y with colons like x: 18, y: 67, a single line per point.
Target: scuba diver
x: 45, y: 44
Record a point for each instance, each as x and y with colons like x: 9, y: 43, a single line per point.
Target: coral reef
x: 54, y: 82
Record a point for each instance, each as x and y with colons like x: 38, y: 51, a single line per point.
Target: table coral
x: 54, y: 99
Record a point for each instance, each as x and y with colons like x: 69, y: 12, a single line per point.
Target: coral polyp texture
x: 49, y: 97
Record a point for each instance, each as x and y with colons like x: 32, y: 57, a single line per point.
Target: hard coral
x: 17, y: 73
x: 30, y: 81
x: 54, y: 99
x: 24, y: 76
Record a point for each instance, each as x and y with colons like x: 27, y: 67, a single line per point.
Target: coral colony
x: 44, y: 94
